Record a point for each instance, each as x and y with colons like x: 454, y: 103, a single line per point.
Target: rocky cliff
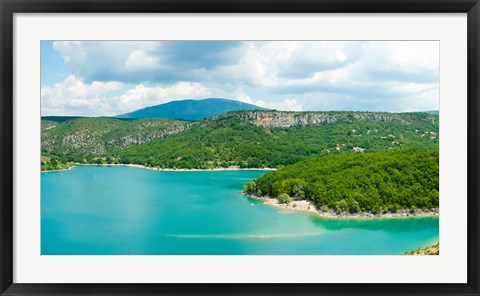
x: 285, y: 119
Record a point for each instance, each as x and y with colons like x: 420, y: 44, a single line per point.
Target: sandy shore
x: 309, y: 206
x: 167, y: 170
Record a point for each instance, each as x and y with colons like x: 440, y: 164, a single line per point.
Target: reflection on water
x: 394, y: 224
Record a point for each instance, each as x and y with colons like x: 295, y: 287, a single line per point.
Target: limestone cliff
x: 285, y: 119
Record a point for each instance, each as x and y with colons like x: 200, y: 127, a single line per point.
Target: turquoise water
x: 125, y: 210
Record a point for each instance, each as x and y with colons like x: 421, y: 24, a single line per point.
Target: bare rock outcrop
x: 285, y: 119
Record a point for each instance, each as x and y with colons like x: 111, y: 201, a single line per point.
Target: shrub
x: 353, y: 205
x: 394, y: 208
x: 250, y: 187
x: 376, y: 209
x: 299, y: 188
x: 341, y: 206
x: 283, y: 198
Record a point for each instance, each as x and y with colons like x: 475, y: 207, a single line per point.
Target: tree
x: 376, y: 209
x: 371, y: 182
x: 283, y: 198
x: 250, y: 187
x: 298, y: 189
x: 53, y: 162
x: 353, y: 205
x: 341, y: 206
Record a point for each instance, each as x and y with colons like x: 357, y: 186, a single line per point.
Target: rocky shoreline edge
x: 430, y: 250
x: 309, y: 206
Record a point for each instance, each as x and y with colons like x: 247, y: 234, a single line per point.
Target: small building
x: 358, y: 149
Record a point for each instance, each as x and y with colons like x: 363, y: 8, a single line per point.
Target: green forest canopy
x: 372, y: 182
x: 230, y: 141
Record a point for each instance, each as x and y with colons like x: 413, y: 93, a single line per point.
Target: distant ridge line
x: 191, y: 110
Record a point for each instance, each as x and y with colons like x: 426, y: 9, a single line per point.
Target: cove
x: 99, y: 210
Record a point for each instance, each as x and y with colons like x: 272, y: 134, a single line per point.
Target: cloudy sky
x: 103, y: 78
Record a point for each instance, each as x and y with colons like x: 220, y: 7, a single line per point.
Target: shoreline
x: 164, y: 170
x: 308, y: 206
x: 427, y: 251
x: 61, y: 170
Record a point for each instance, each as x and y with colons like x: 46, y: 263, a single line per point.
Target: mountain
x: 256, y: 139
x: 78, y: 137
x: 190, y: 109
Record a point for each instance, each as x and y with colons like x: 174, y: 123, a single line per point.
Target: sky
x: 106, y: 78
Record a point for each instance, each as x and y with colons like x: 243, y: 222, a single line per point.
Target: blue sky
x: 104, y: 78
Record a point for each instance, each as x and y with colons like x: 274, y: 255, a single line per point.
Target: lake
x: 116, y: 210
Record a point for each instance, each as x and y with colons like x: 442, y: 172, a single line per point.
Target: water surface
x: 126, y: 210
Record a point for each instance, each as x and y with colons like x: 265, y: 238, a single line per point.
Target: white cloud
x: 285, y: 75
x: 286, y: 105
x: 140, y: 58
x: 142, y: 96
x: 74, y: 97
x: 424, y: 100
x: 244, y: 98
x: 110, y: 60
x: 415, y: 57
x: 278, y: 63
x: 254, y: 67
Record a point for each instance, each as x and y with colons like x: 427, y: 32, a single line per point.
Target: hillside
x: 190, y: 109
x: 363, y: 182
x: 274, y: 139
x: 79, y: 138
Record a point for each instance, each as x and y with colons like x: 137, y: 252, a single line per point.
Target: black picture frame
x: 9, y: 7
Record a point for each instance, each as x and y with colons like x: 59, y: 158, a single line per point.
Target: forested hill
x: 241, y: 138
x: 371, y: 182
x: 190, y: 109
x: 275, y: 139
x: 94, y: 136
